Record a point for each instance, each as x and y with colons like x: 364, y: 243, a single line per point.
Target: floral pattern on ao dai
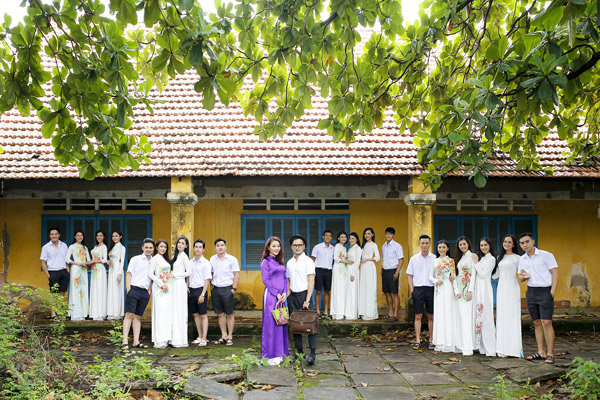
x: 115, y: 303
x: 444, y: 304
x: 464, y: 283
x: 339, y: 281
x: 78, y: 285
x: 98, y: 283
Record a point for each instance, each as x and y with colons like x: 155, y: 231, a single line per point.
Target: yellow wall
x: 569, y: 229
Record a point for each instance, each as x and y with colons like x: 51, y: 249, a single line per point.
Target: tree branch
x: 593, y: 60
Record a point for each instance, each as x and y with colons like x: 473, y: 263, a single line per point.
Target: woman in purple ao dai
x: 275, y: 343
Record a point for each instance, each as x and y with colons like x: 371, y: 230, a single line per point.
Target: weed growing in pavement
x: 356, y: 331
x: 584, y: 379
x: 500, y: 390
x: 579, y: 311
x: 247, y: 360
x: 115, y: 335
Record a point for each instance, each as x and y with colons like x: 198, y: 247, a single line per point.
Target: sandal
x: 416, y: 346
x: 549, y: 359
x: 221, y: 341
x: 140, y: 345
x: 392, y: 319
x: 229, y: 342
x: 431, y: 346
x: 125, y: 348
x: 534, y: 357
x: 202, y: 343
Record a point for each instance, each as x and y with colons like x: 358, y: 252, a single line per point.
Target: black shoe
x: 311, y: 359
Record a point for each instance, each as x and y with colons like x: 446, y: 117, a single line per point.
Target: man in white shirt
x: 54, y: 266
x: 197, y: 299
x: 225, y: 278
x: 421, y: 288
x: 137, y: 284
x: 322, y: 255
x: 540, y: 270
x: 300, y: 273
x: 393, y: 259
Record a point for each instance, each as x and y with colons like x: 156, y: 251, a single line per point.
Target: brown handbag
x: 304, y: 322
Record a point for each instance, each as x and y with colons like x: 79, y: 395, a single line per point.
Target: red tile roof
x: 190, y: 141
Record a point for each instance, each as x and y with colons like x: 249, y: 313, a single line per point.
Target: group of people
x: 460, y: 291
x: 93, y: 293
x: 178, y: 286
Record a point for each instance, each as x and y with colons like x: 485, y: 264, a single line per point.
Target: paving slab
x: 448, y: 392
x: 387, y: 392
x: 326, y: 380
x: 272, y: 375
x: 486, y: 375
x: 216, y: 367
x: 281, y: 393
x: 325, y: 366
x: 405, y: 358
x: 536, y: 372
x: 368, y: 366
x: 378, y: 379
x: 328, y: 393
x: 209, y: 388
x: 506, y: 363
x: 417, y: 367
x: 428, y: 378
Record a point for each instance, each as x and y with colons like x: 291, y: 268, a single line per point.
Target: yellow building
x: 211, y: 177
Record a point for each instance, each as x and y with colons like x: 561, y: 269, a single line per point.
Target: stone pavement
x: 352, y: 368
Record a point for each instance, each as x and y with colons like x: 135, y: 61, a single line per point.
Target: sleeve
x: 120, y: 260
x: 473, y: 274
x: 410, y: 269
x: 265, y: 272
x: 235, y: 267
x: 152, y: 272
x: 400, y: 251
x: 207, y: 271
x: 432, y: 278
x: 69, y: 254
x: 452, y: 268
x: 376, y: 252
x: 104, y: 254
x: 44, y: 255
x: 550, y: 261
x: 310, y: 268
x: 187, y: 270
x: 87, y: 254
x: 314, y: 252
x: 356, y: 264
x: 484, y: 267
x: 336, y: 253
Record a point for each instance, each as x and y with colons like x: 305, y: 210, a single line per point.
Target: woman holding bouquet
x: 339, y: 279
x: 354, y: 256
x: 162, y: 299
x: 275, y: 344
x: 78, y: 258
x: 464, y: 284
x: 98, y: 279
x: 442, y: 275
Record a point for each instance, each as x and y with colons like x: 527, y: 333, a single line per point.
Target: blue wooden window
x: 450, y: 227
x: 257, y: 228
x: 134, y: 227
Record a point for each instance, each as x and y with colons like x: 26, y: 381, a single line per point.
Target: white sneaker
x: 198, y: 340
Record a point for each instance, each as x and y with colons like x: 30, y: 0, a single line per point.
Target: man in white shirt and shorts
x: 322, y: 255
x: 540, y: 270
x: 225, y: 278
x: 198, y: 282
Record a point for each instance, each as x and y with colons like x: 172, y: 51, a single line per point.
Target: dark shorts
x: 323, y: 279
x: 193, y: 306
x: 388, y: 284
x: 540, y: 303
x: 423, y: 295
x: 60, y: 277
x: 222, y: 300
x: 136, y: 300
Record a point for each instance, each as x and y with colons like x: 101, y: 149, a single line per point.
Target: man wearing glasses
x: 300, y: 273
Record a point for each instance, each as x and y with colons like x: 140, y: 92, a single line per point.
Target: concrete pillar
x: 182, y: 199
x: 420, y: 222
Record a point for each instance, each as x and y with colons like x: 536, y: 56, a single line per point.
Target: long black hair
x: 166, y: 255
x: 176, y: 252
x: 357, y: 238
x: 112, y: 243
x: 372, y: 238
x: 437, y: 253
x: 481, y: 255
x: 502, y: 252
x: 458, y: 254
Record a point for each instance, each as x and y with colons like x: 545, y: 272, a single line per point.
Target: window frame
x: 268, y: 220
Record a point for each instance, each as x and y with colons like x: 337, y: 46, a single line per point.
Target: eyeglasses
x: 298, y: 245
